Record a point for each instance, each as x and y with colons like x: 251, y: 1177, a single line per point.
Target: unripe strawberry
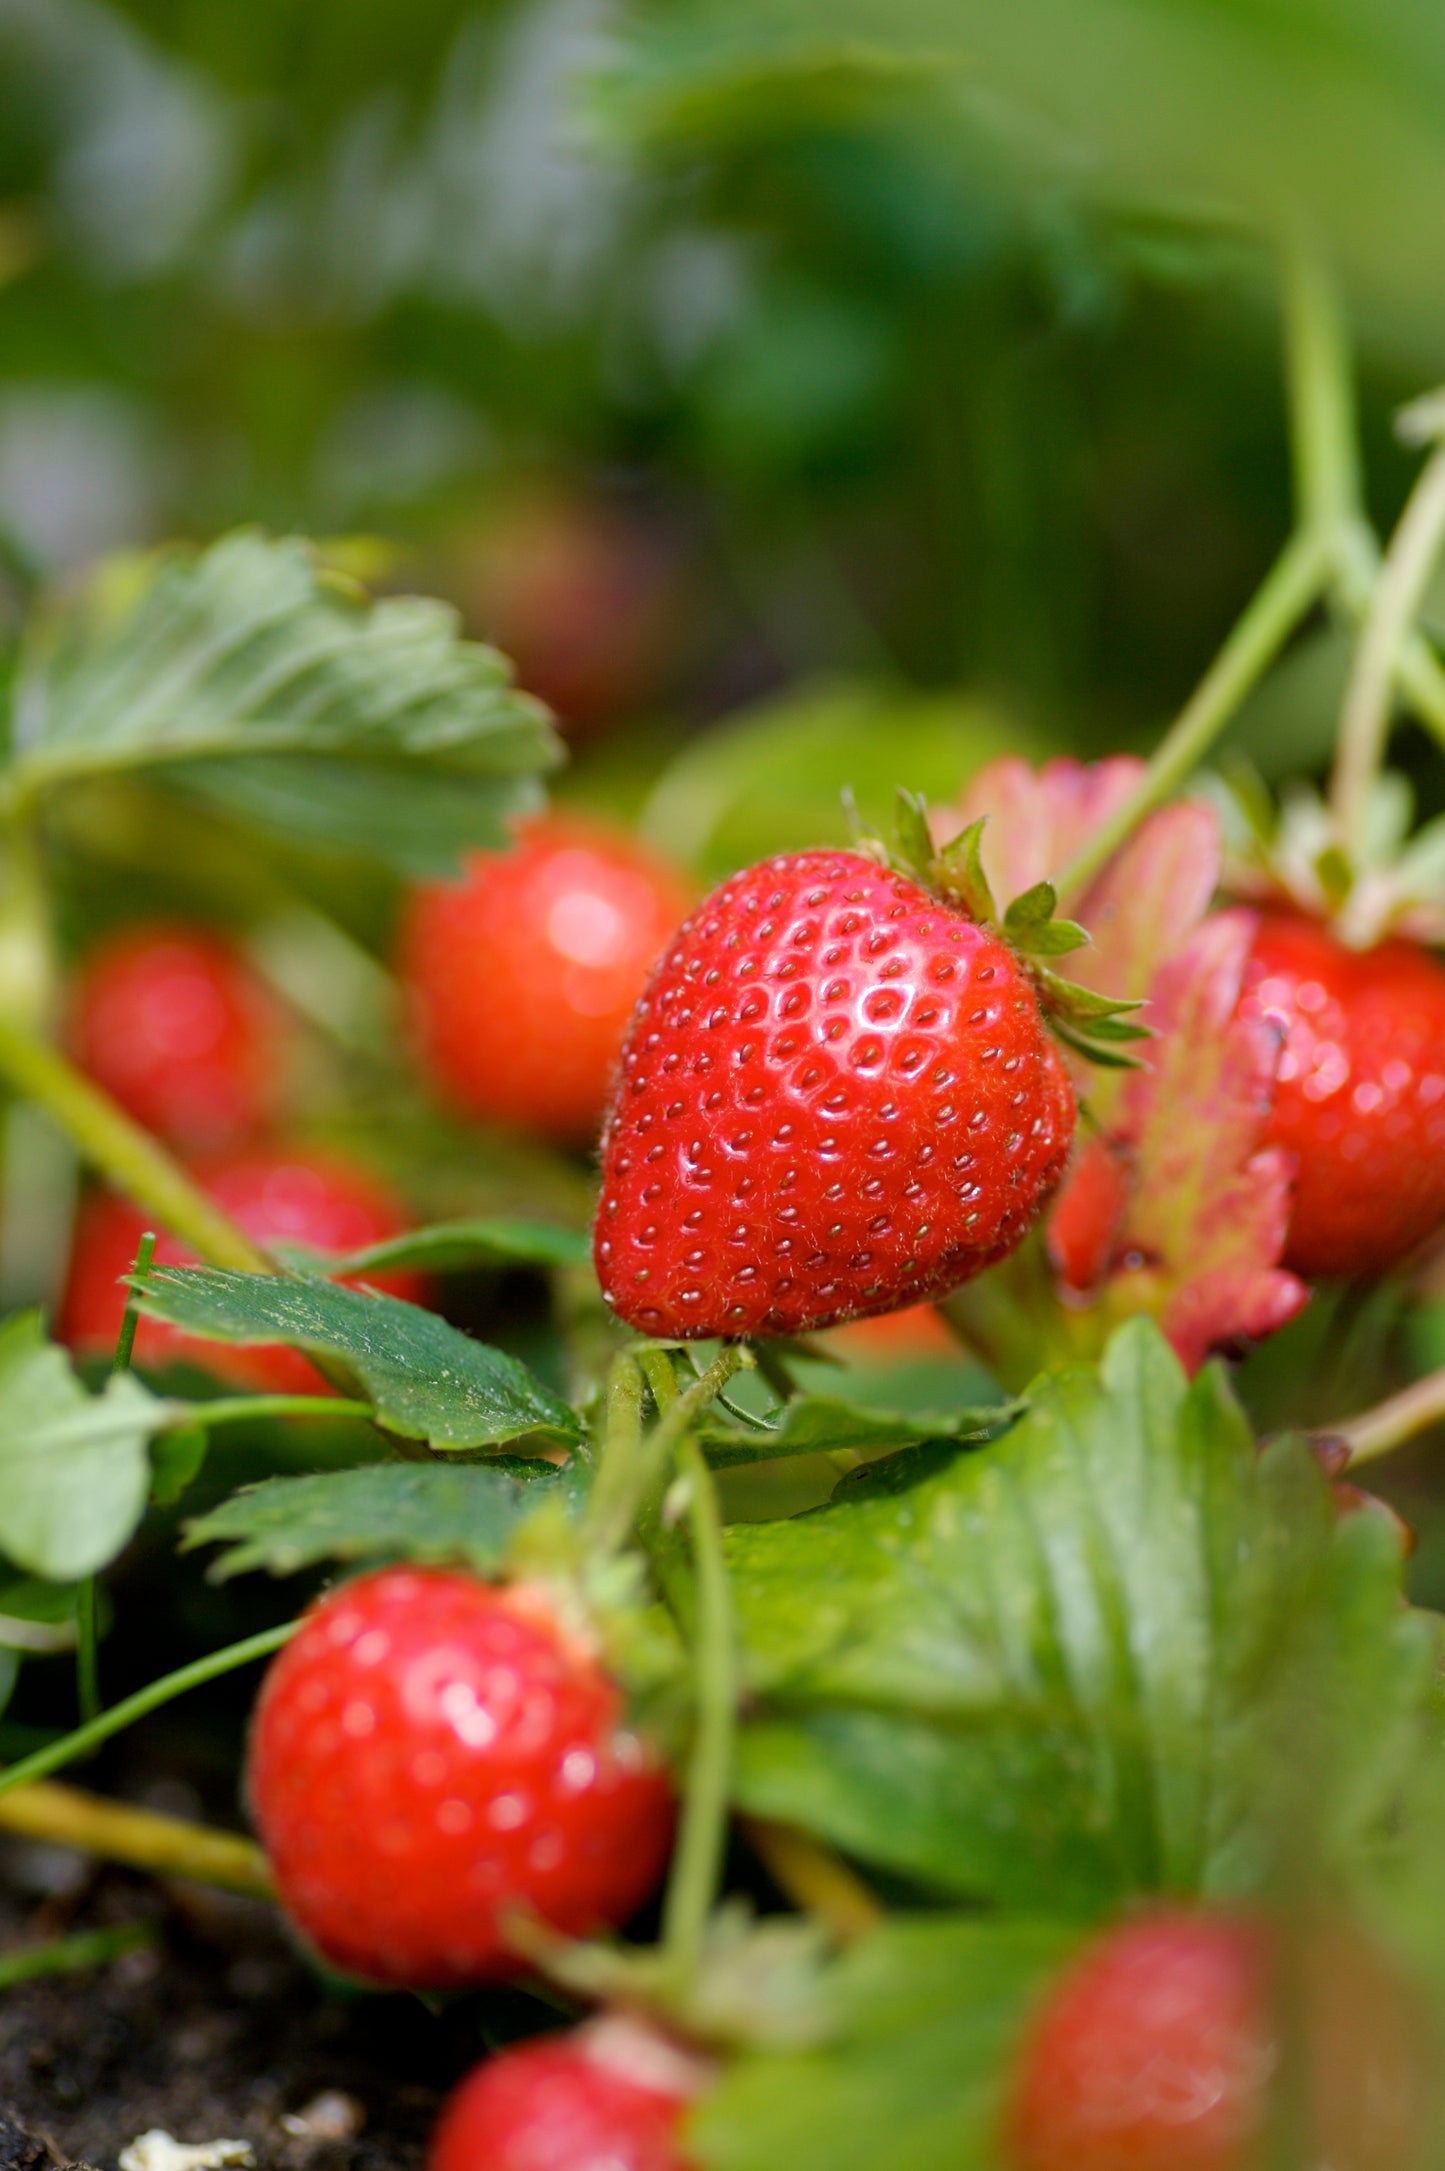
x: 838, y: 1097
x: 175, y: 1025
x: 520, y: 978
x: 298, y: 1195
x: 430, y: 1754
x: 609, y: 2097
x: 1360, y: 1097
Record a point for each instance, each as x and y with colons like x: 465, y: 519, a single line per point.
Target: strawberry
x: 609, y: 2097
x: 1156, y: 2050
x: 296, y: 1195
x: 519, y: 979
x: 1152, y: 2053
x: 174, y: 1024
x: 1360, y: 1098
x: 838, y: 1097
x: 430, y: 1753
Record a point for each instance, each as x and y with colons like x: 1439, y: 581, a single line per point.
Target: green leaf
x: 447, y: 1245
x: 418, y: 818
x: 426, y: 1380
x: 390, y: 1511
x: 925, y: 2013
x: 250, y: 655
x: 825, y: 1424
x: 1040, y: 1673
x: 959, y: 872
x: 177, y: 1459
x: 74, y: 1475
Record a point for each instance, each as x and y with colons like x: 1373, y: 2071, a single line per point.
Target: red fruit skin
x: 566, y: 2103
x: 1152, y: 2053
x: 519, y: 980
x: 838, y: 1097
x: 174, y: 1025
x: 1360, y: 1098
x: 298, y: 1195
x: 429, y: 1753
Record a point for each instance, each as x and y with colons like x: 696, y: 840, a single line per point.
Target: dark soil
x: 218, y: 2031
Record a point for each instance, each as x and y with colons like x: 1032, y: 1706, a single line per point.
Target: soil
x: 217, y: 2030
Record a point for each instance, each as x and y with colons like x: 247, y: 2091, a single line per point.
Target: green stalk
x: 632, y: 1460
x: 83, y: 1739
x: 143, y: 1838
x: 1369, y: 696
x: 87, y: 1652
x: 1391, y: 1423
x: 123, y: 1152
x: 697, y: 1859
x: 241, y: 1409
x: 1320, y: 392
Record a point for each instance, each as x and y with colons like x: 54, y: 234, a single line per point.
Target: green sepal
x: 958, y: 874
x: 1091, y: 1051
x: 915, y: 841
x: 1080, y: 1005
x: 1030, y: 911
x: 1336, y: 876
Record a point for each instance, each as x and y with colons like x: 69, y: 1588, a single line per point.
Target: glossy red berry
x: 298, y: 1195
x: 609, y: 2097
x: 430, y: 1753
x: 175, y: 1025
x: 838, y: 1097
x: 520, y: 979
x: 1152, y: 2053
x: 1360, y: 1098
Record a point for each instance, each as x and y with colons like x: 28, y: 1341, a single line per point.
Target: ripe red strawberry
x: 609, y: 2097
x: 838, y: 1097
x: 296, y: 1194
x: 1152, y: 2053
x: 520, y: 978
x: 1360, y: 1099
x: 174, y: 1024
x: 429, y: 1753
x: 1157, y: 2048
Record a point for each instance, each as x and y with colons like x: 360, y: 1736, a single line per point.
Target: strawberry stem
x: 1392, y: 1422
x: 168, y: 1846
x: 132, y: 1160
x: 1369, y: 696
x: 697, y: 1860
x: 633, y: 1463
x: 71, y: 1747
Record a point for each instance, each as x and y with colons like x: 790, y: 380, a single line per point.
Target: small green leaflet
x: 448, y: 1245
x: 825, y: 1424
x: 1052, y: 1673
x: 397, y: 1511
x: 74, y: 1474
x: 250, y: 673
x: 425, y: 1379
x: 925, y: 2013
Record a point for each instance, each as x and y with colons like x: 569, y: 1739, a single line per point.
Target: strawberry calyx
x: 1291, y: 852
x: 1095, y: 1026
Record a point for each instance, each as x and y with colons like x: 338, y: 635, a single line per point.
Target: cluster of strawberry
x: 839, y: 1094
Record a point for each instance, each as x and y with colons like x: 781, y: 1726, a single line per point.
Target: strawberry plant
x: 1030, y: 1764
